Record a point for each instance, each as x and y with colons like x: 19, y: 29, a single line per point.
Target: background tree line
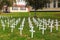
x: 36, y: 4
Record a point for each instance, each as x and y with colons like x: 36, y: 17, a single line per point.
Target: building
x: 54, y: 5
x: 19, y: 6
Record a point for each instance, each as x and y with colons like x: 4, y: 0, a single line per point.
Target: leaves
x: 5, y: 2
x: 36, y: 4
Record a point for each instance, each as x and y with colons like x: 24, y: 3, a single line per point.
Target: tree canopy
x: 36, y: 4
x: 5, y: 2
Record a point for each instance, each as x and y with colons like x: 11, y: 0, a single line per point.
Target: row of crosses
x: 42, y: 24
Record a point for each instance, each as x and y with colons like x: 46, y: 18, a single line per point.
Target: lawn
x: 7, y: 35
x: 31, y: 14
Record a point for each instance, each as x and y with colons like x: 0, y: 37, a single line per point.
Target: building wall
x: 18, y: 9
x: 19, y: 6
x: 53, y: 4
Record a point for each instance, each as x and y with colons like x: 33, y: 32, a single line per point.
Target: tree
x: 5, y: 2
x: 37, y: 4
x: 0, y: 4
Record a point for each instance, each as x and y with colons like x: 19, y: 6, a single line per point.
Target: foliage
x: 36, y: 4
x: 5, y: 2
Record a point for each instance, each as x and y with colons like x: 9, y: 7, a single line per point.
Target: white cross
x: 3, y: 27
x: 23, y: 22
x: 5, y: 20
x: 30, y: 26
x: 43, y: 29
x: 12, y: 27
x: 49, y: 21
x: 40, y: 25
x: 8, y: 23
x: 35, y: 21
x: 39, y: 20
x: 21, y: 28
x: 56, y: 24
x: 46, y: 25
x: 32, y: 31
x: 2, y: 21
x: 30, y: 23
x: 43, y: 21
x: 51, y: 26
x: 22, y: 25
x: 16, y: 22
x: 52, y: 21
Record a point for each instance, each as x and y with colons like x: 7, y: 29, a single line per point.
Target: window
x: 58, y: 3
x: 14, y: 8
x: 54, y: 3
x: 19, y: 0
x: 22, y: 8
x: 47, y: 5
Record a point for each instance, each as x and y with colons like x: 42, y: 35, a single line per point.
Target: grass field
x: 7, y: 35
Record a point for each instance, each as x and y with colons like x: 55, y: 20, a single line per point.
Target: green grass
x: 38, y: 14
x: 7, y: 35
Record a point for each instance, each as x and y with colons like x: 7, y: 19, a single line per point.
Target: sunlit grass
x: 7, y: 35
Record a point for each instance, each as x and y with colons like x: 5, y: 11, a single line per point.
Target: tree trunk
x: 0, y: 11
x: 35, y: 13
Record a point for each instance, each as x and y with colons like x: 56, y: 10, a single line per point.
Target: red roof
x: 19, y: 5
